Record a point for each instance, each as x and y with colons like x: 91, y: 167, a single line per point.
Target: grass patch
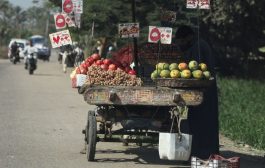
x: 242, y: 110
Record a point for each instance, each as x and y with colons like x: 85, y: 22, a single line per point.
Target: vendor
x: 202, y: 121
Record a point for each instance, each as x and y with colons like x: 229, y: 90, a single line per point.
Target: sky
x: 24, y: 4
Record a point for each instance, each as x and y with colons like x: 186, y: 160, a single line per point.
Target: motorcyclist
x: 29, y: 50
x: 14, y: 50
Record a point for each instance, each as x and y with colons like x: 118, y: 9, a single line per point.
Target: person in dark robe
x: 202, y: 120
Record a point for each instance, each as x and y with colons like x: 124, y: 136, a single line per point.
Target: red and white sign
x: 78, y: 6
x: 70, y: 20
x: 62, y: 19
x: 127, y: 30
x: 204, y: 4
x: 154, y: 34
x: 67, y: 6
x: 192, y: 4
x: 70, y: 6
x: 164, y: 34
x: 59, y: 20
x: 61, y: 38
x: 201, y: 4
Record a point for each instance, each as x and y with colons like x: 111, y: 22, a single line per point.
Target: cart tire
x: 91, y: 136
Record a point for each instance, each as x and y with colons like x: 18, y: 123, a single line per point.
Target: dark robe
x: 202, y: 120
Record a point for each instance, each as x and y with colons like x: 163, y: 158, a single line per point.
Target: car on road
x: 41, y: 44
x: 21, y: 44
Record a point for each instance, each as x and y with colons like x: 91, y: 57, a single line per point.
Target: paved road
x: 41, y: 118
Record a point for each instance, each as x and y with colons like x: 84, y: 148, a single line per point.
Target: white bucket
x: 174, y: 146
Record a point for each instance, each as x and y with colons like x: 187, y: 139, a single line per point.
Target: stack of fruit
x: 107, y: 72
x: 98, y: 76
x: 181, y: 70
x: 104, y: 64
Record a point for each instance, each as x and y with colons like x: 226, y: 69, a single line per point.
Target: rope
x: 198, y: 34
x: 158, y: 56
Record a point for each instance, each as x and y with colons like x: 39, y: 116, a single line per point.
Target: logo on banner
x: 164, y: 34
x: 67, y: 6
x: 154, y: 34
x: 62, y: 20
x: 61, y: 38
x: 201, y: 4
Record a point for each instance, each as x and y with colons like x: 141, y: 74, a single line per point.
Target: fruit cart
x: 137, y: 113
x: 142, y: 111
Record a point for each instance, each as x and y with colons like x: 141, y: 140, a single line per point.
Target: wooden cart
x: 142, y: 112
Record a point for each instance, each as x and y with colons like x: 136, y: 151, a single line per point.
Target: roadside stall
x: 149, y: 99
x: 146, y: 89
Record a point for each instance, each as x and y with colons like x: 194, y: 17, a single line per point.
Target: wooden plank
x: 155, y: 96
x: 184, y: 83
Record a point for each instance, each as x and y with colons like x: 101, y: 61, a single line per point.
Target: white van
x: 21, y: 43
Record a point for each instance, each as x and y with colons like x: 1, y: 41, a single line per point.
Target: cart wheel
x: 91, y: 135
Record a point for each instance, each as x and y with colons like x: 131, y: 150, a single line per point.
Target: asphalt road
x: 41, y: 119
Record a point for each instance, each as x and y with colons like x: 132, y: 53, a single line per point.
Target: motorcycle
x: 31, y: 63
x: 15, y: 57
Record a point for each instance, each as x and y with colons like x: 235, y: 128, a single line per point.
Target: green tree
x: 6, y: 10
x: 235, y: 29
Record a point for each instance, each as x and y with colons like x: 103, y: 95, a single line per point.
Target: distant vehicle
x: 43, y: 49
x: 21, y: 44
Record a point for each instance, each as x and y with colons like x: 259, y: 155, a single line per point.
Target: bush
x: 3, y: 52
x: 242, y: 110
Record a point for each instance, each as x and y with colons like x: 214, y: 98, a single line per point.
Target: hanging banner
x: 192, y: 4
x: 164, y: 34
x: 154, y: 34
x: 59, y: 20
x: 204, y: 4
x: 61, y: 38
x: 127, y: 30
x: 201, y: 4
x: 62, y: 20
x: 78, y: 6
x: 70, y: 6
x: 67, y: 6
x: 70, y: 20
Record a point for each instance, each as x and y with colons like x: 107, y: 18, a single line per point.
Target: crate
x: 215, y: 161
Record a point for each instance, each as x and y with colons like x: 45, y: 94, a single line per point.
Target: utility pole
x: 47, y: 25
x: 35, y: 2
x: 135, y: 47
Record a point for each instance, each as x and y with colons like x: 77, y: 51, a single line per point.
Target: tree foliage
x: 18, y: 23
x: 235, y: 29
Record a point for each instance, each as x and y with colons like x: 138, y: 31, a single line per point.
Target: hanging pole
x: 198, y: 33
x: 135, y: 48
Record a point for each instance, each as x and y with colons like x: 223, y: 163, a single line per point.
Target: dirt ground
x: 249, y: 157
